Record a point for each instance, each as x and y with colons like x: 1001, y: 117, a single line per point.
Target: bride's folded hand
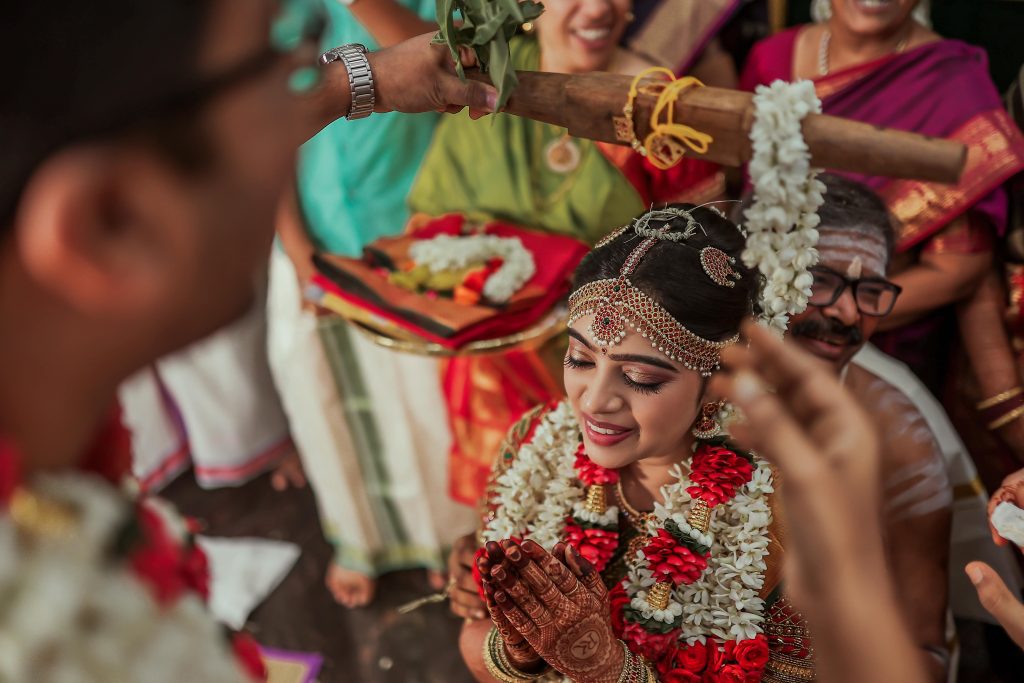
x: 564, y: 619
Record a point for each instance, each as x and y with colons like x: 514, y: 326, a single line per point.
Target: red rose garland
x: 596, y: 542
x: 717, y: 473
x: 672, y: 561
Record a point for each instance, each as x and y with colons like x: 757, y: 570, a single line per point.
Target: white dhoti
x: 372, y: 430
x: 212, y: 405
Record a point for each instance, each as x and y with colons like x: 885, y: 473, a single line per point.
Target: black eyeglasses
x: 295, y: 34
x: 874, y: 296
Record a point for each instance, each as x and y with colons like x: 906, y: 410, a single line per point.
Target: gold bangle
x: 497, y: 663
x: 1001, y: 397
x: 1004, y: 420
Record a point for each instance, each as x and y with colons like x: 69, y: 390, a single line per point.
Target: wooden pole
x: 586, y: 105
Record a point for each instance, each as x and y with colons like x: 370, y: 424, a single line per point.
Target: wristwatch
x: 360, y: 78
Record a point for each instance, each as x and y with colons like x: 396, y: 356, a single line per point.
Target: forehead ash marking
x: 848, y: 245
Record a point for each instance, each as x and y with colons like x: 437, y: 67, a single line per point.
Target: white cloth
x: 381, y: 484
x: 970, y: 539
x: 212, y: 404
x: 243, y: 572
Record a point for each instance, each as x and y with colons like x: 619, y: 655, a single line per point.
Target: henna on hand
x: 520, y: 653
x: 566, y: 623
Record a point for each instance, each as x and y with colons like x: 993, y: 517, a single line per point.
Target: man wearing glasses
x: 924, y: 463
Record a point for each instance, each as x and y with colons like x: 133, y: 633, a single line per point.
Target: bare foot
x: 288, y: 473
x: 350, y: 588
x: 437, y: 580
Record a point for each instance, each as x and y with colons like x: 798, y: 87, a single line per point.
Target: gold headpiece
x: 617, y: 305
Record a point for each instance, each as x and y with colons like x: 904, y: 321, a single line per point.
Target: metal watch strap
x: 360, y: 78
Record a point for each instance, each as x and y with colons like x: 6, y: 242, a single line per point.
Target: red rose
x: 651, y: 646
x: 671, y: 561
x: 168, y: 568
x: 692, y: 657
x: 680, y: 676
x: 247, y: 652
x: 716, y: 657
x: 590, y: 473
x: 597, y: 545
x: 732, y: 673
x: 752, y: 654
x: 618, y: 599
x: 716, y: 473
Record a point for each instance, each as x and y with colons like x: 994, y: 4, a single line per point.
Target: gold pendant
x: 562, y: 155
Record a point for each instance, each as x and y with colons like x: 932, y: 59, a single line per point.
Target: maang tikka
x: 617, y: 305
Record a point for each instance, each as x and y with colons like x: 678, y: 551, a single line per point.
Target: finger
x: 472, y: 94
x: 495, y: 553
x: 550, y: 595
x: 523, y: 598
x: 768, y: 426
x: 516, y: 617
x: 559, y: 574
x: 466, y: 603
x: 586, y: 573
x: 998, y: 600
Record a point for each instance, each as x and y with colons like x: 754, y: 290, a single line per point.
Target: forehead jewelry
x: 617, y: 305
x: 718, y: 266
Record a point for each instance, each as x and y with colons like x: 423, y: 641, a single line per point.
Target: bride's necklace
x: 826, y: 43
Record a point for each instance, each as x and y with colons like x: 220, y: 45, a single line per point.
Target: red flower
x: 590, y: 473
x: 168, y: 568
x: 671, y: 561
x: 752, y: 654
x: 618, y: 600
x: 679, y: 676
x: 652, y: 646
x: 247, y: 652
x: 716, y: 656
x: 597, y: 545
x: 692, y: 657
x: 716, y: 473
x: 732, y: 673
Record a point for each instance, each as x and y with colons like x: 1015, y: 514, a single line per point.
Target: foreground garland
x: 97, y: 587
x: 690, y: 602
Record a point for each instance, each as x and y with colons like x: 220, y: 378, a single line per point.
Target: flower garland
x: 505, y: 265
x: 97, y: 587
x: 781, y: 223
x: 688, y: 590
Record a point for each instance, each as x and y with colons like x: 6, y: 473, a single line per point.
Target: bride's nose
x: 603, y: 395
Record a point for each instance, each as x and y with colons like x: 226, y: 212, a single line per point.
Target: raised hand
x: 463, y: 599
x: 564, y: 620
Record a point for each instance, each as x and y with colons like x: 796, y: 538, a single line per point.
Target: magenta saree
x: 941, y: 89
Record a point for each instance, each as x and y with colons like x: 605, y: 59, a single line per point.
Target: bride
x: 622, y: 513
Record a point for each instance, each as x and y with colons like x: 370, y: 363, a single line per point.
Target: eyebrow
x: 627, y: 357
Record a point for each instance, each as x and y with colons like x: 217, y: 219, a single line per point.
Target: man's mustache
x: 829, y: 328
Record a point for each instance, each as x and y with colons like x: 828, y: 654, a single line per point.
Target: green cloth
x: 354, y: 176
x: 495, y: 168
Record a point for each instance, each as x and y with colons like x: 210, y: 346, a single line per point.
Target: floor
x: 376, y: 644
x: 371, y: 645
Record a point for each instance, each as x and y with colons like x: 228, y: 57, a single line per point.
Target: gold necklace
x: 637, y: 519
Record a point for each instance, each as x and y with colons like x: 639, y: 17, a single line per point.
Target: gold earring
x: 707, y: 426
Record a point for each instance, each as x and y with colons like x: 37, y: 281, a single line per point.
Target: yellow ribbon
x: 668, y: 140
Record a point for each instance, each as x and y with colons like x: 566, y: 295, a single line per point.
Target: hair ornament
x: 642, y: 225
x: 718, y: 266
x: 611, y: 237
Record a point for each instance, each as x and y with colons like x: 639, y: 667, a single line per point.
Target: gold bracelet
x: 497, y: 663
x: 1001, y: 397
x: 1004, y: 420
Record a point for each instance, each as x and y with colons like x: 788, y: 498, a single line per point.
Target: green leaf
x: 650, y: 624
x: 487, y: 26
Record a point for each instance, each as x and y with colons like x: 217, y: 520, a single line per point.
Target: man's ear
x: 90, y: 230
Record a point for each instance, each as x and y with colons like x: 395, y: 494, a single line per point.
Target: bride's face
x: 633, y: 402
